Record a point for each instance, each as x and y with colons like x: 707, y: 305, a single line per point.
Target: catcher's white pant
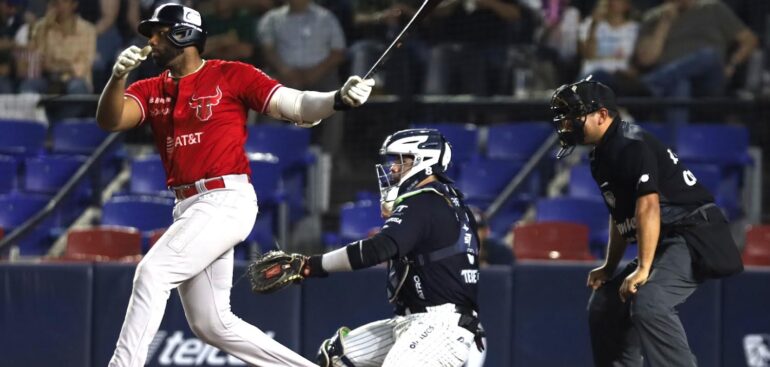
x: 196, y: 255
x: 418, y: 340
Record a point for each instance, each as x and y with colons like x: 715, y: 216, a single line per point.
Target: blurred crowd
x: 661, y: 48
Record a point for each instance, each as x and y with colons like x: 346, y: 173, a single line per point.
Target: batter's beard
x: 164, y: 58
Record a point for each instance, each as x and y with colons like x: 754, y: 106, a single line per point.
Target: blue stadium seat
x: 9, y: 174
x: 48, y: 173
x: 508, y: 214
x: 262, y: 237
x: 518, y: 140
x: 76, y: 136
x: 658, y: 130
x: 463, y: 138
x: 726, y: 190
x: 359, y: 219
x: 148, y: 177
x: 592, y: 213
x: 726, y: 145
x: 22, y: 137
x: 15, y: 209
x: 287, y: 142
x: 83, y: 136
x: 143, y: 212
x: 482, y: 180
x: 582, y: 184
x: 266, y: 178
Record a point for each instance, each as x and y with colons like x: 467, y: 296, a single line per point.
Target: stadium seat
x: 757, y: 249
x: 103, y: 243
x: 660, y: 131
x: 551, y: 240
x: 506, y: 217
x: 15, y: 209
x: 359, y: 220
x: 713, y: 143
x: 262, y: 237
x: 155, y: 235
x: 582, y: 184
x: 76, y: 136
x: 9, y: 174
x: 21, y: 137
x: 287, y: 142
x: 83, y: 136
x: 266, y: 178
x: 148, y: 177
x: 516, y: 141
x: 481, y: 180
x: 143, y: 212
x: 726, y: 190
x: 48, y: 173
x: 592, y: 213
x: 463, y: 138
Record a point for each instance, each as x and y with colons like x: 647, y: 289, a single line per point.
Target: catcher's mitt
x: 275, y: 270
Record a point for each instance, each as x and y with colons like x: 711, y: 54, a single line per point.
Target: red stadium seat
x: 757, y: 249
x: 155, y: 235
x: 104, y: 243
x: 551, y: 240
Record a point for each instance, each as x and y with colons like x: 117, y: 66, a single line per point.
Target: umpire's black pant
x: 647, y: 324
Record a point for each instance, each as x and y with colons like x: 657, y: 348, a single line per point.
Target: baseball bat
x: 421, y: 12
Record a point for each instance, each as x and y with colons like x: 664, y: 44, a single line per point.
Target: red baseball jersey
x: 199, y: 123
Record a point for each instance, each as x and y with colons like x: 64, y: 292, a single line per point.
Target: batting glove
x: 354, y: 93
x: 129, y: 59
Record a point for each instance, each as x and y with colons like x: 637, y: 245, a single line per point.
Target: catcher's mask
x: 571, y: 103
x: 187, y: 27
x: 430, y: 153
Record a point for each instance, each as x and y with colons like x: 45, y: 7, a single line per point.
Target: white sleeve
x: 337, y: 260
x: 304, y: 108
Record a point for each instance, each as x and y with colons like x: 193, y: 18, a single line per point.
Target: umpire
x: 654, y: 200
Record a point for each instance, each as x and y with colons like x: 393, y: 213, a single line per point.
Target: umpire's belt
x: 207, y: 184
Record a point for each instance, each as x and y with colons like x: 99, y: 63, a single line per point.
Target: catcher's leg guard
x: 331, y: 353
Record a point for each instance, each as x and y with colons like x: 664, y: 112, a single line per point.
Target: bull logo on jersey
x: 203, y: 105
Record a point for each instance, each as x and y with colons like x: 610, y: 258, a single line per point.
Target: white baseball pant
x: 196, y: 255
x: 418, y: 340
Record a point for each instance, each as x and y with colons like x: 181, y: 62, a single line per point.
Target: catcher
x: 429, y: 239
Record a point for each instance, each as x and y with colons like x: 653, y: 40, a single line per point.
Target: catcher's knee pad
x: 331, y: 353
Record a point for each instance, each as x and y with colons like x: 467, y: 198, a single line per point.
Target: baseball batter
x: 197, y: 110
x: 430, y: 240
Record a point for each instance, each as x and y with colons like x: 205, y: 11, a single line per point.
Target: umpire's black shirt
x: 629, y: 163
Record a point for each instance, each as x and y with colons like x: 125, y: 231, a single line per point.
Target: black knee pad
x: 331, y: 353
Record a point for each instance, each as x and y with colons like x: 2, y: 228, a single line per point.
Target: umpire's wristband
x: 339, y: 105
x: 315, y: 267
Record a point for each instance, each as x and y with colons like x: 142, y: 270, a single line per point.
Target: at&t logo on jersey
x: 176, y: 350
x: 203, y: 105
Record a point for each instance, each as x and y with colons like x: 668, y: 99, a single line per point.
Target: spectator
x: 607, y: 38
x: 104, y: 15
x: 472, y: 45
x: 303, y: 44
x: 684, y: 47
x: 231, y: 33
x: 492, y: 252
x: 559, y: 36
x: 66, y: 44
x: 376, y: 24
x: 11, y: 20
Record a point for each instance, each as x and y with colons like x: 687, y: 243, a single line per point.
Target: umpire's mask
x: 571, y: 103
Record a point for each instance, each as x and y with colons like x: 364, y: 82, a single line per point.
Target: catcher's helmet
x: 571, y: 103
x: 186, y: 25
x: 431, y: 153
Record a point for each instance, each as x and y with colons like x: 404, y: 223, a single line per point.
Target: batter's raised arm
x: 308, y: 108
x: 115, y: 112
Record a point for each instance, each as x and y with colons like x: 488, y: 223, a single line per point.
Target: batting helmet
x: 571, y: 103
x: 186, y: 25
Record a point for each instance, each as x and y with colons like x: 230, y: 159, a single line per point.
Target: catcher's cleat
x: 331, y: 351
